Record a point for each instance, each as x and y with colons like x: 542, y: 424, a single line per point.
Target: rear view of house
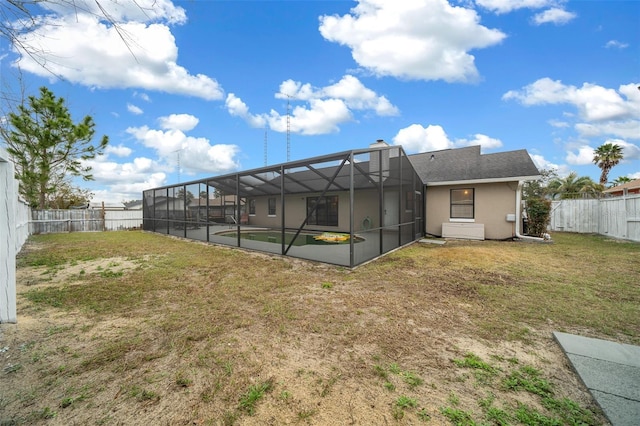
x: 349, y: 207
x: 473, y: 195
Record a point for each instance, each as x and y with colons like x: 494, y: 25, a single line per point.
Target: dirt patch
x: 77, y: 271
x: 184, y: 333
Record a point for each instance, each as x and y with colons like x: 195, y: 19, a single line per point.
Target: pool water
x: 276, y: 237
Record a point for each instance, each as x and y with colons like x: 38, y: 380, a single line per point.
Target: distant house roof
x: 106, y: 205
x: 630, y: 187
x: 468, y: 164
x: 133, y: 205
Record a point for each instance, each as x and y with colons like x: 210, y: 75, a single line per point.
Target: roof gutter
x: 479, y: 181
x: 519, y: 216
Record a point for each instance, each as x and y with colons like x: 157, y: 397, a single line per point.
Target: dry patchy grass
x: 135, y: 328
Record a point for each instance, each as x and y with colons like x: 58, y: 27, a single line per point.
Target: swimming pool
x: 270, y: 236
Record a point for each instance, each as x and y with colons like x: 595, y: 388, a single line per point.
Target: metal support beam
x: 326, y: 189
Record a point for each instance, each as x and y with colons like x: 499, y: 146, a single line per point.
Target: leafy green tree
x: 538, y: 216
x: 606, y: 156
x: 47, y: 147
x: 67, y: 196
x: 188, y: 196
x: 537, y: 207
x: 538, y: 188
x: 573, y: 186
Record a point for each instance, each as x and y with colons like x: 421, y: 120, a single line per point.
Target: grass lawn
x: 136, y: 328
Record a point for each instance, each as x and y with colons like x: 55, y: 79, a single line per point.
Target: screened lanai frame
x: 344, y: 208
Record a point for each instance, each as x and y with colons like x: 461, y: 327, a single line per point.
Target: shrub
x: 538, y: 216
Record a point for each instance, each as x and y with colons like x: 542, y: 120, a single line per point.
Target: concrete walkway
x: 611, y: 372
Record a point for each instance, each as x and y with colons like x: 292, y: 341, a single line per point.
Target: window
x: 272, y: 206
x: 326, y: 212
x: 462, y: 203
x: 252, y: 206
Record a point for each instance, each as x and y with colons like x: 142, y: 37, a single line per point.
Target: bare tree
x: 20, y: 17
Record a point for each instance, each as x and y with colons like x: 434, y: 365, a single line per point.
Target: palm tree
x: 573, y: 186
x: 605, y: 157
x: 621, y: 180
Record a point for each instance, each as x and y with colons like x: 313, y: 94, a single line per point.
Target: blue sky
x: 198, y: 85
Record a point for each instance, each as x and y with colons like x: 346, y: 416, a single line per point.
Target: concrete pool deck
x: 611, y: 372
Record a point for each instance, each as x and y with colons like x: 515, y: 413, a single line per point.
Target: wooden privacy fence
x: 617, y: 217
x: 86, y: 220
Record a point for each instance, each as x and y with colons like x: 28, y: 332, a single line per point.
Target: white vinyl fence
x: 85, y: 220
x: 617, y: 217
x: 14, y: 230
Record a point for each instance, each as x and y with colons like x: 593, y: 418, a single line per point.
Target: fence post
x: 102, y: 217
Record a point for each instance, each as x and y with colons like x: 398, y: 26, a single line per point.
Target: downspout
x: 519, y: 216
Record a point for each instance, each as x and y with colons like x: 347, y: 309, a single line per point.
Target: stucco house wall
x: 365, y: 207
x: 492, y: 203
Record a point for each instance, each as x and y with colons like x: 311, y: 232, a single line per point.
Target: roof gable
x: 467, y: 164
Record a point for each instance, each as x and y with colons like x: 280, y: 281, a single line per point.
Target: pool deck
x: 611, y: 372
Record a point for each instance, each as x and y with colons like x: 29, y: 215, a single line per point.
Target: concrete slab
x: 600, y: 349
x: 608, y: 377
x: 432, y: 241
x: 611, y: 372
x: 619, y: 411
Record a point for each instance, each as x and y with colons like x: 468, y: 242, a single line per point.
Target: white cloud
x: 110, y: 172
x: 124, y: 181
x: 602, y: 112
x: 554, y: 15
x: 420, y: 39
x: 543, y: 164
x: 416, y: 138
x: 193, y: 154
x: 122, y: 10
x: 321, y: 117
x: 133, y: 109
x: 559, y: 123
x: 119, y: 151
x: 628, y: 129
x: 506, y: 6
x: 615, y: 44
x: 583, y: 156
x: 326, y: 107
x: 142, y: 95
x: 594, y: 103
x: 349, y: 89
x: 82, y: 49
x: 484, y: 141
x: 236, y: 107
x: 129, y: 190
x: 630, y: 151
x: 184, y: 122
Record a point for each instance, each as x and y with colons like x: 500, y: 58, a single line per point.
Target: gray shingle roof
x: 465, y: 164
